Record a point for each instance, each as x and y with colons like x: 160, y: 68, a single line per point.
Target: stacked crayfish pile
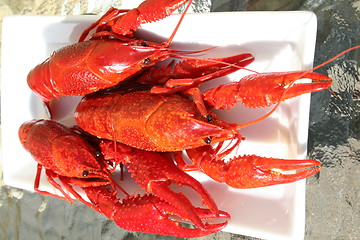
x: 146, y: 117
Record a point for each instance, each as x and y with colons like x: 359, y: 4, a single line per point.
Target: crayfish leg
x: 180, y: 162
x: 64, y: 184
x: 50, y: 177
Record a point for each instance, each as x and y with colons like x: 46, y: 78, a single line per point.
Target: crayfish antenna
x: 169, y: 41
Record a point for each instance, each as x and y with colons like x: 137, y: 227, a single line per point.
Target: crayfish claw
x: 150, y: 214
x: 289, y: 80
x: 251, y: 171
x: 265, y: 89
x: 286, y: 171
x: 261, y: 172
x: 207, y: 214
x: 155, y: 172
x: 164, y: 172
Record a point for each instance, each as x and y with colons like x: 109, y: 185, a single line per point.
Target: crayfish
x: 150, y: 118
x: 85, y: 167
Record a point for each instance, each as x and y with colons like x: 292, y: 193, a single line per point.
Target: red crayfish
x: 108, y: 57
x: 148, y: 129
x: 86, y: 168
x: 147, y: 121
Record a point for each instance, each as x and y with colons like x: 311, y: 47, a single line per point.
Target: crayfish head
x: 177, y: 124
x: 149, y: 53
x: 75, y: 157
x: 229, y: 130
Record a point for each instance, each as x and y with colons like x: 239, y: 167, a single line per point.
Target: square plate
x: 280, y: 41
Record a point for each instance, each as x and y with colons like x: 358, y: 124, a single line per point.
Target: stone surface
x: 333, y: 196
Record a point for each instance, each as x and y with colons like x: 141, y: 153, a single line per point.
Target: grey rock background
x: 333, y: 196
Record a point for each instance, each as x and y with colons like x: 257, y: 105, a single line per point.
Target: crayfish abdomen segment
x: 39, y: 80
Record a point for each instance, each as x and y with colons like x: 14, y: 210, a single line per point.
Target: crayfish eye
x: 144, y: 44
x: 97, y: 154
x: 147, y: 61
x: 85, y: 173
x: 109, y: 163
x: 208, y: 140
x: 210, y: 118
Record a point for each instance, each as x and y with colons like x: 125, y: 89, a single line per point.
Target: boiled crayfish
x: 67, y: 156
x: 148, y: 125
x: 102, y: 62
x: 172, y: 123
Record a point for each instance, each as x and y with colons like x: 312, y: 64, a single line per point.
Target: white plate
x: 280, y: 41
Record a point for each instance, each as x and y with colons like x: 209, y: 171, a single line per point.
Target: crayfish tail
x: 39, y: 81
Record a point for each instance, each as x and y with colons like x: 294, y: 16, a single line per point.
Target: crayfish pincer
x: 149, y: 214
